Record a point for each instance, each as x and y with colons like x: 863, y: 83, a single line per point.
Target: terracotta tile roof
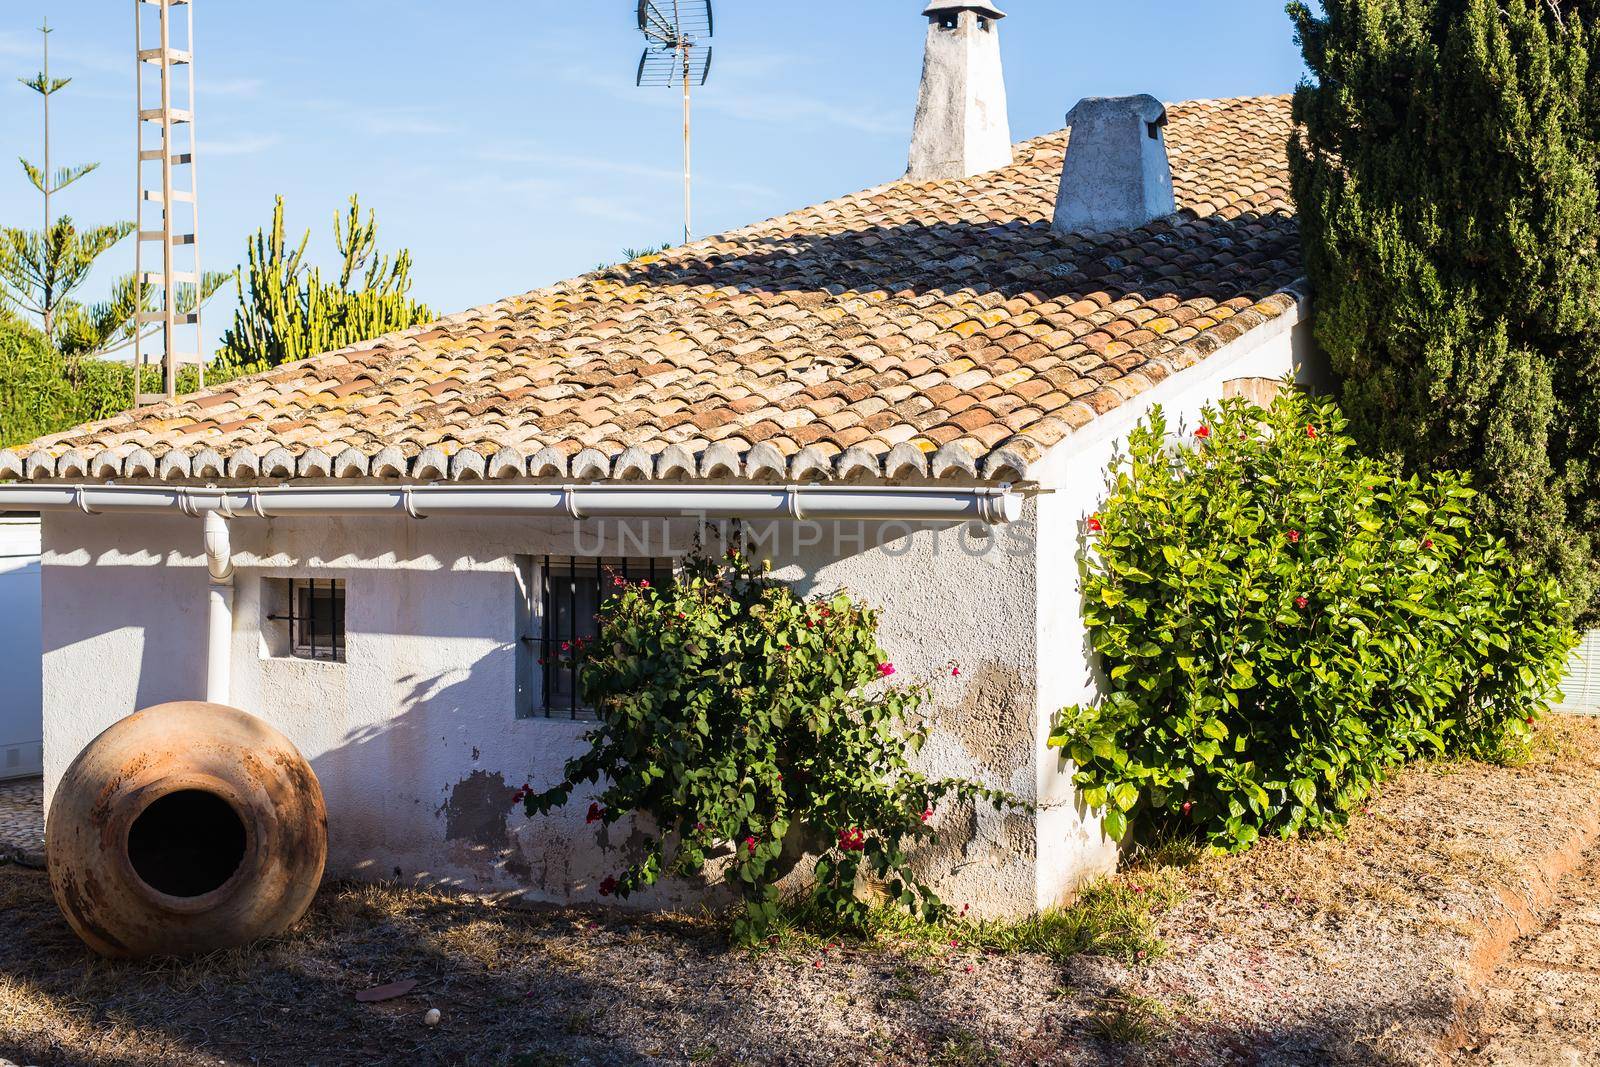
x: 915, y: 329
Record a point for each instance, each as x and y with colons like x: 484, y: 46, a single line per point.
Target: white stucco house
x: 913, y: 391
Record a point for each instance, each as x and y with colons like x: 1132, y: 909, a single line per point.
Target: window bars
x: 571, y: 591
x: 315, y: 618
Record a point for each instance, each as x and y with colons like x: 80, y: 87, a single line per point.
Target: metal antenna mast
x: 177, y: 282
x: 674, y: 54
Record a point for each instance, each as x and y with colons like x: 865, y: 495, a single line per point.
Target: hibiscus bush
x: 755, y: 726
x: 1282, y: 621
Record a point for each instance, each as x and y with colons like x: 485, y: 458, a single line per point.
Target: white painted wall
x: 21, y: 698
x: 416, y: 738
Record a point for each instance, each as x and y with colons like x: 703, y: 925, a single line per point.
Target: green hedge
x: 43, y: 392
x: 1282, y: 622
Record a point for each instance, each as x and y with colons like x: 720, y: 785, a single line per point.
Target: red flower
x: 1203, y: 432
x: 750, y: 843
x: 644, y: 583
x: 1530, y: 720
x: 566, y: 646
x: 1294, y: 537
x: 617, y: 581
x: 1428, y: 543
x: 955, y: 672
x: 788, y: 648
x: 927, y: 813
x: 1300, y: 602
x: 853, y: 839
x: 885, y: 669
x: 596, y: 813
x: 1188, y: 806
x: 1311, y: 431
x: 1094, y: 524
x: 700, y: 826
x: 608, y: 886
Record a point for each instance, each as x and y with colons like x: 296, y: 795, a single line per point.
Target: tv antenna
x: 675, y: 54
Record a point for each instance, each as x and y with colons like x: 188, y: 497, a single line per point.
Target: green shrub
x: 1282, y: 622
x: 755, y: 726
x: 43, y: 392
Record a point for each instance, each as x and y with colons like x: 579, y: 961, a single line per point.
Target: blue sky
x: 504, y: 143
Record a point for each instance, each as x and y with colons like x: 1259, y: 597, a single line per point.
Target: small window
x: 983, y: 23
x: 559, y: 621
x: 309, y: 618
x: 950, y: 21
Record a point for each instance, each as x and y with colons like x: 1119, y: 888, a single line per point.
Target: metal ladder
x: 156, y: 191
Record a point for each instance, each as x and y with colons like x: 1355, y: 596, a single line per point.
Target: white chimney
x: 962, y: 128
x: 1117, y: 175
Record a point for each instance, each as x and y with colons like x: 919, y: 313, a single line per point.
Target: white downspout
x: 219, y: 621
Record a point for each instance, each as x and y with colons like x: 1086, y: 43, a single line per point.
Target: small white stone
x: 432, y: 1018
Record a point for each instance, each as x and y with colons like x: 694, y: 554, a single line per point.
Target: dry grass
x: 1307, y: 951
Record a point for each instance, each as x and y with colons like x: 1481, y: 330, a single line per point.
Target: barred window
x: 309, y: 613
x: 561, y: 598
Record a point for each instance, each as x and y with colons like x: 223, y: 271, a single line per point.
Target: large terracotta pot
x: 184, y: 829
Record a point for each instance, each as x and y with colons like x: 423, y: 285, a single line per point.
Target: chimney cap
x: 939, y: 7
x: 1144, y: 106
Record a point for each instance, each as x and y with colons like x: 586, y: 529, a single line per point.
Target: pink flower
x: 750, y: 843
x: 1188, y: 806
x: 644, y: 583
x: 1294, y: 537
x: 1203, y: 432
x: 970, y: 968
x: 617, y: 581
x: 955, y: 672
x: 885, y: 669
x: 566, y: 646
x: 608, y: 886
x: 596, y: 813
x: 1094, y: 524
x: 927, y: 813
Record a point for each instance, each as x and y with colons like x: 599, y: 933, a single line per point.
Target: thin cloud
x: 611, y: 209
x: 566, y: 161
x: 240, y: 87
x: 239, y: 146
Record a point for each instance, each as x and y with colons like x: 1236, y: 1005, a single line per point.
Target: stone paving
x: 22, y: 820
x: 1545, y: 1001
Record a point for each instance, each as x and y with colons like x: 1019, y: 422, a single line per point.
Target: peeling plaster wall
x: 416, y: 739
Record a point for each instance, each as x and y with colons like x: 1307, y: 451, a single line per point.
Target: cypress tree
x: 1447, y: 177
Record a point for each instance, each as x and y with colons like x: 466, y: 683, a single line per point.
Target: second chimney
x: 962, y: 128
x: 1116, y: 175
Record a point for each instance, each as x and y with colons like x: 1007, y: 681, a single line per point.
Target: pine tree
x: 287, y: 312
x: 1447, y: 177
x: 40, y: 270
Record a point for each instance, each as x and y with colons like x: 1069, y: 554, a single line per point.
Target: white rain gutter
x: 989, y: 505
x: 994, y: 506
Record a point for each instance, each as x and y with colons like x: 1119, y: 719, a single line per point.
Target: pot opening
x: 187, y: 843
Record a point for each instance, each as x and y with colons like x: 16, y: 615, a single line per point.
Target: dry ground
x: 1370, y: 949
